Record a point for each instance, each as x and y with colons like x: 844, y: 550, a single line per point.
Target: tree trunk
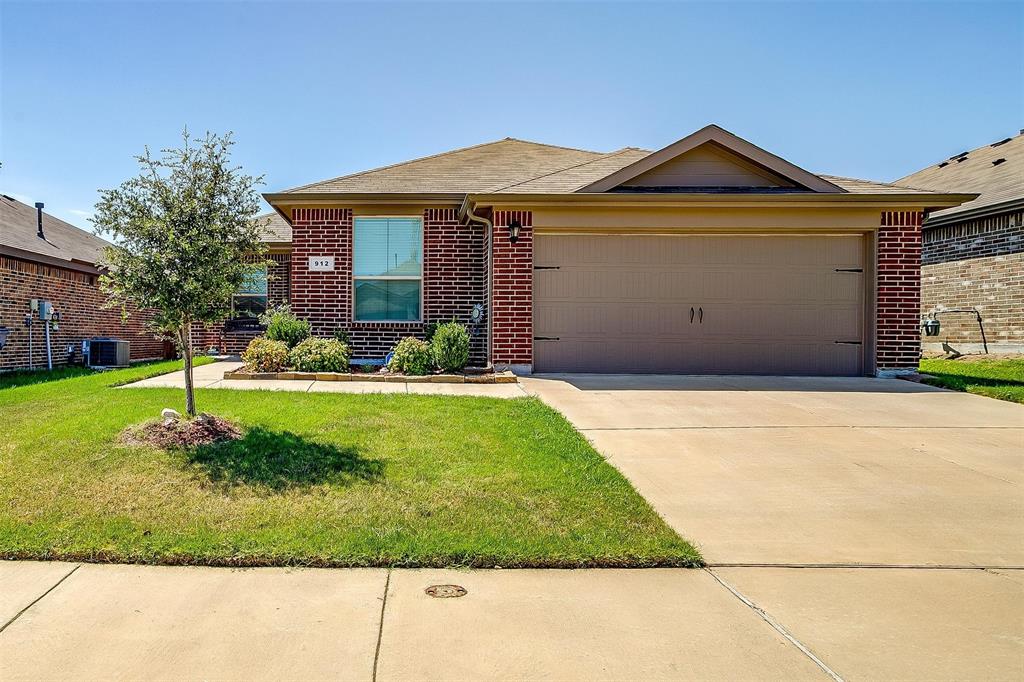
x: 185, y: 334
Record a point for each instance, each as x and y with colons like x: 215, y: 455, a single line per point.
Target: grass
x: 318, y: 479
x: 1002, y: 379
x: 41, y: 376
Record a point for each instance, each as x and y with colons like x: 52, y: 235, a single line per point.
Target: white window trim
x: 406, y: 278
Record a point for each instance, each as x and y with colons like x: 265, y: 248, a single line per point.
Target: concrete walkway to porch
x: 212, y: 376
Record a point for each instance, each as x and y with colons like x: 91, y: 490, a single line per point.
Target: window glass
x: 387, y: 268
x: 387, y: 299
x: 251, y: 298
x: 248, y: 306
x: 388, y: 247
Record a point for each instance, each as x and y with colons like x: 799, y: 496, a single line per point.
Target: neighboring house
x: 973, y: 254
x: 44, y: 258
x: 708, y: 256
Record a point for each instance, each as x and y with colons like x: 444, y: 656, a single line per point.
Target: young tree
x: 185, y: 239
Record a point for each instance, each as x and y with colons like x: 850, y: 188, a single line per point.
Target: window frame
x: 400, y: 278
x: 265, y: 296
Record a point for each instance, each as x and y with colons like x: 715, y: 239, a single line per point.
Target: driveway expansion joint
x: 777, y: 626
x: 380, y: 626
x: 39, y: 598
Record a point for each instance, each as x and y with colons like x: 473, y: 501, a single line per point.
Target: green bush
x: 341, y: 334
x: 411, y: 356
x: 320, y: 355
x: 283, y: 325
x: 265, y: 355
x: 450, y: 346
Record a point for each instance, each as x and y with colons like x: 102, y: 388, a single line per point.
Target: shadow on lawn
x: 279, y: 461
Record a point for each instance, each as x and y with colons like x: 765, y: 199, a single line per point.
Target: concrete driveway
x: 877, y: 523
x: 813, y: 471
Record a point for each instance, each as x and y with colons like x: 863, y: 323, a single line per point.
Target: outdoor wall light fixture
x: 513, y: 230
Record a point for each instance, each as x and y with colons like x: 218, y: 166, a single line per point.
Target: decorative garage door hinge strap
x: 850, y: 343
x: 546, y: 267
x: 849, y: 269
x: 545, y: 338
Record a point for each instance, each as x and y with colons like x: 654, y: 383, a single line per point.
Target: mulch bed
x: 205, y: 429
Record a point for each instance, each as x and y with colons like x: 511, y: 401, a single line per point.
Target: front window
x: 387, y: 269
x: 251, y: 299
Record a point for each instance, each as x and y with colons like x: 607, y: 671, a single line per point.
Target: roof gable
x: 711, y: 158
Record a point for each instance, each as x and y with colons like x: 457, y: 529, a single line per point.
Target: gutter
x: 975, y: 213
x: 76, y: 265
x: 309, y: 198
x: 675, y: 200
x: 466, y: 211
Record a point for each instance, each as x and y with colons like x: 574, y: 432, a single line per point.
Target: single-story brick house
x: 973, y: 254
x: 44, y: 258
x: 708, y: 256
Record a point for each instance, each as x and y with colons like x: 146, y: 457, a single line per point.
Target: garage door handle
x: 691, y: 314
x: 849, y: 269
x: 545, y: 338
x: 700, y: 319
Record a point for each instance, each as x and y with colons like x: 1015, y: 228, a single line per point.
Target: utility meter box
x: 45, y: 310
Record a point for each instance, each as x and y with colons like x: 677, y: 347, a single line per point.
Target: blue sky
x: 318, y: 90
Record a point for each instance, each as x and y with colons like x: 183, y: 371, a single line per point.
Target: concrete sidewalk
x: 212, y: 376
x: 71, y: 621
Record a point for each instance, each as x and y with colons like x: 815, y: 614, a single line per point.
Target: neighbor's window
x: 251, y: 298
x: 387, y: 269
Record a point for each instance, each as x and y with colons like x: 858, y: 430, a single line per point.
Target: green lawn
x: 1003, y: 379
x: 319, y: 479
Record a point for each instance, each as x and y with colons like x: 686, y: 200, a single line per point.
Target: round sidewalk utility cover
x: 446, y: 591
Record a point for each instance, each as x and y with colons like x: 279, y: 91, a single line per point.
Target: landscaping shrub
x: 341, y: 334
x: 320, y: 355
x: 283, y: 325
x: 265, y: 355
x: 411, y: 356
x: 450, y: 346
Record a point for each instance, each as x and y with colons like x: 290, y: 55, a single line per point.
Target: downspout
x: 466, y: 210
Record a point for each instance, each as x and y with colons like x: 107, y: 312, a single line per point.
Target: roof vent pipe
x: 39, y: 220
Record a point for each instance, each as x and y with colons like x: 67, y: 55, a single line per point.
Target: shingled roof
x: 276, y: 229
x: 63, y: 243
x: 518, y: 167
x: 487, y: 167
x: 995, y: 172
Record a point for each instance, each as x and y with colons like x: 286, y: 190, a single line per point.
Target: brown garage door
x: 732, y: 304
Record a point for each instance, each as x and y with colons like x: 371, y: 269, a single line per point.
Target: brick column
x: 899, y: 290
x: 323, y: 298
x: 512, y: 291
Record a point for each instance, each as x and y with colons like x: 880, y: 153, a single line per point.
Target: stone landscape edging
x: 495, y: 378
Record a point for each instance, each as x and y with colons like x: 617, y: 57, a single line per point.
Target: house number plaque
x: 321, y: 263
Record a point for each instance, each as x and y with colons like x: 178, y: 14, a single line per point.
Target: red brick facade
x: 512, y: 291
x: 454, y: 280
x: 898, y: 332
x: 77, y: 297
